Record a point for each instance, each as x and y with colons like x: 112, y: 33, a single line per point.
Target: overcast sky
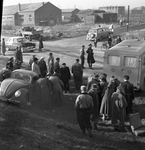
x: 82, y: 4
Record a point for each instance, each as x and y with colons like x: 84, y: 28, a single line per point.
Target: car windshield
x: 21, y: 76
x: 93, y: 31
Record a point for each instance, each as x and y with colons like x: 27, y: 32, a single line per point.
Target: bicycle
x: 104, y: 46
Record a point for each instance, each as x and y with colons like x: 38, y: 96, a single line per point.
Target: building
x: 70, y: 15
x: 97, y: 16
x: 138, y: 10
x: 31, y: 14
x: 120, y: 10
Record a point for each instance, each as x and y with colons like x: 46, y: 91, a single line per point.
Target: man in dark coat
x: 57, y: 67
x: 110, y: 41
x: 77, y: 72
x: 65, y: 76
x: 43, y: 67
x: 119, y: 105
x: 90, y: 57
x: 82, y: 55
x: 40, y: 44
x: 83, y: 106
x: 19, y: 55
x: 129, y: 93
x: 93, y: 92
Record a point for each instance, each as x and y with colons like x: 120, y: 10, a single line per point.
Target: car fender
x: 24, y: 92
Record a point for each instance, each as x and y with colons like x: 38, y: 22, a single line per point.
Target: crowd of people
x: 105, y: 100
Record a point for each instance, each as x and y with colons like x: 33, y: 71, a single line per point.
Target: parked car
x: 14, y: 42
x: 20, y: 88
x: 100, y: 33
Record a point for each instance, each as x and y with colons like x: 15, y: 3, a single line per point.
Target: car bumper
x: 2, y: 98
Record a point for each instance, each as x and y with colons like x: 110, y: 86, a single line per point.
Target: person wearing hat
x: 93, y: 92
x: 57, y: 66
x: 77, y: 72
x: 35, y: 67
x: 90, y: 57
x: 83, y: 106
x: 119, y: 105
x: 43, y: 67
x: 65, y: 76
x: 93, y: 79
x: 129, y: 93
x: 82, y: 55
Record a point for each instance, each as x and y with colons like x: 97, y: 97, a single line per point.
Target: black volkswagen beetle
x: 21, y: 87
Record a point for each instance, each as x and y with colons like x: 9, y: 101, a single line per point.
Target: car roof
x: 16, y: 37
x: 29, y: 72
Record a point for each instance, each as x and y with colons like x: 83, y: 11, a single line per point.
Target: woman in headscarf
x: 43, y: 67
x: 57, y: 91
x: 119, y: 105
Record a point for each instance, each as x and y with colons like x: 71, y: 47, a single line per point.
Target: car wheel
x: 24, y: 101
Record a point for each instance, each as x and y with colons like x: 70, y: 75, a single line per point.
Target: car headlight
x: 17, y: 93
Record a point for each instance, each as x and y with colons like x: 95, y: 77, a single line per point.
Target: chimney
x: 19, y: 7
x: 42, y: 3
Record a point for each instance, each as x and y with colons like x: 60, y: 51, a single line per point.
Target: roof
x: 12, y: 9
x: 129, y: 46
x: 68, y: 10
x: 29, y: 72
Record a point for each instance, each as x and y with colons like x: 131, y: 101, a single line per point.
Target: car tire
x: 24, y: 101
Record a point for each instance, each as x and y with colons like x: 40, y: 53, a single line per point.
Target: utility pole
x: 127, y: 24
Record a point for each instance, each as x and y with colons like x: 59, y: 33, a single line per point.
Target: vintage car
x: 20, y: 88
x: 100, y: 33
x: 14, y: 42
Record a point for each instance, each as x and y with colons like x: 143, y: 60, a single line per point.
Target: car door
x: 112, y: 65
x: 130, y: 66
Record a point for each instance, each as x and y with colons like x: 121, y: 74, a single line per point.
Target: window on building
x: 130, y: 62
x: 30, y: 17
x: 114, y: 60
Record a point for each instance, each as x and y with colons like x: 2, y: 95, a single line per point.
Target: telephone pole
x: 128, y: 12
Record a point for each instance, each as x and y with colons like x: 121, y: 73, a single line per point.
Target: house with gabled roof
x: 32, y: 14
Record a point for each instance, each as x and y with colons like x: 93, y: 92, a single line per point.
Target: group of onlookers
x: 106, y: 100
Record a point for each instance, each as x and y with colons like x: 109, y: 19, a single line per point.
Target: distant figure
x: 57, y: 66
x: 3, y: 47
x: 40, y: 44
x: 9, y: 64
x: 35, y: 67
x: 90, y: 57
x: 111, y: 27
x: 19, y: 55
x: 43, y: 67
x: 82, y: 55
x: 95, y: 42
x: 110, y: 41
x: 118, y: 40
x: 84, y: 106
x: 119, y: 105
x: 77, y: 72
x: 65, y: 77
x: 129, y: 93
x: 51, y: 63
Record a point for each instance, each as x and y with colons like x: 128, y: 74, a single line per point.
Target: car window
x: 130, y: 61
x: 20, y: 40
x: 21, y: 76
x: 114, y: 60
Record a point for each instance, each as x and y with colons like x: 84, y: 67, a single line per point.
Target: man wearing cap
x: 93, y: 92
x: 129, y: 93
x: 77, y: 72
x: 65, y: 76
x: 43, y: 67
x: 90, y: 57
x: 82, y: 55
x: 119, y: 105
x: 83, y: 106
x: 35, y: 67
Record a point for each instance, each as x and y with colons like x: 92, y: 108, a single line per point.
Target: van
x: 127, y: 58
